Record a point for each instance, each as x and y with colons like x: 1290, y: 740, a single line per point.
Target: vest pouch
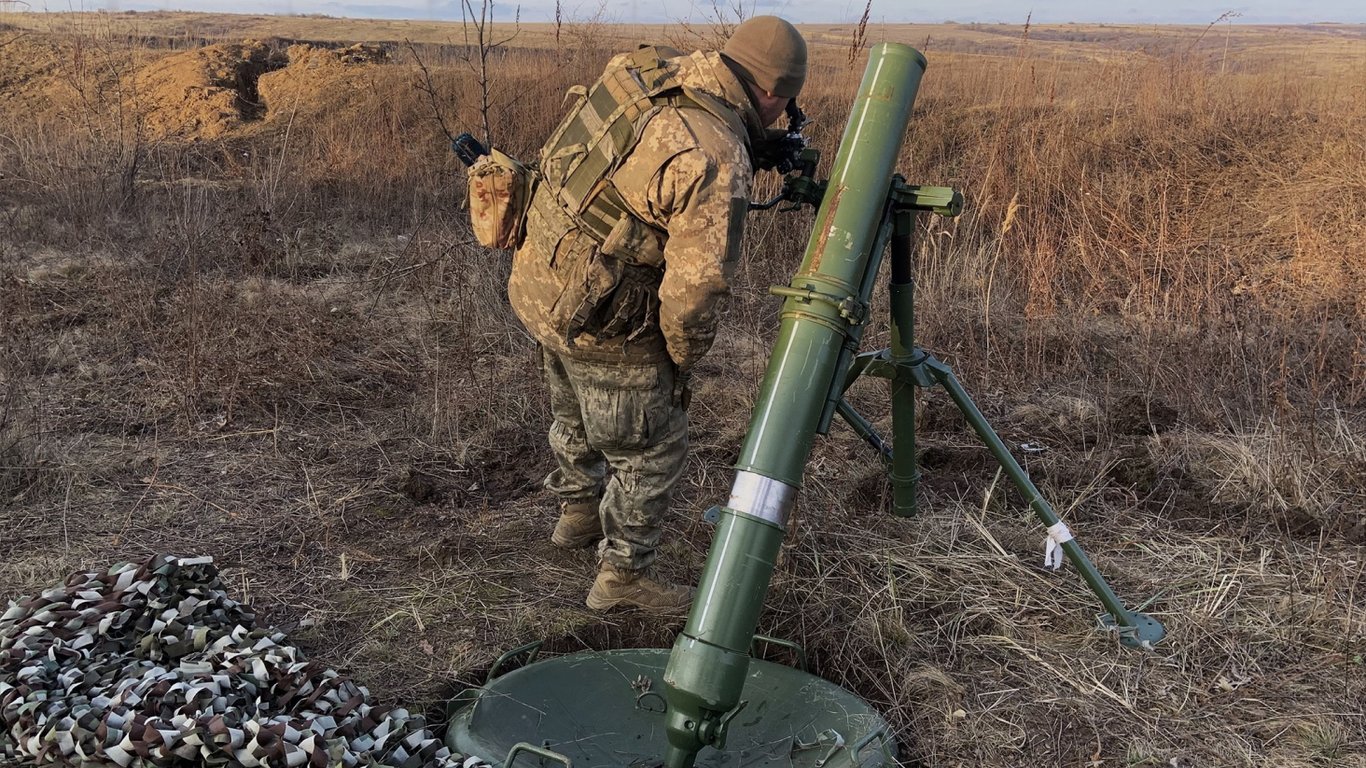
x: 633, y: 308
x: 610, y: 298
x: 500, y: 191
x: 635, y: 242
x: 588, y: 291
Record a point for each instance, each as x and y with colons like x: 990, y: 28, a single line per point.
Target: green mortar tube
x: 710, y: 659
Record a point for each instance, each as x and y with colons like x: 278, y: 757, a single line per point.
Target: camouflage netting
x: 154, y: 665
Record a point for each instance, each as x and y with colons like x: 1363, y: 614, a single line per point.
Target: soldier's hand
x: 682, y: 387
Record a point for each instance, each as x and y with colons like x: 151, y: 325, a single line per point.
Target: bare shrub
x: 860, y: 37
x: 717, y: 21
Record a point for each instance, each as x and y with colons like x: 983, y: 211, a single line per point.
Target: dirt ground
x: 336, y: 403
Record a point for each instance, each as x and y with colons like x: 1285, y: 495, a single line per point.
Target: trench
x: 246, y: 76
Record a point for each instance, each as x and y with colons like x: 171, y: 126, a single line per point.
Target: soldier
x: 632, y: 238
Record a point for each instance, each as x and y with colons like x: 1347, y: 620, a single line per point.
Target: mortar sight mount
x: 708, y: 701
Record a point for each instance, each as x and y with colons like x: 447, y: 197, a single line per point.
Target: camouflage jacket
x: 688, y: 178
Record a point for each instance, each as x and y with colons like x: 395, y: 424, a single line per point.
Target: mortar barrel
x: 710, y: 659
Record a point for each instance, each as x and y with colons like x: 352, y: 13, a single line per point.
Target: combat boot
x: 616, y: 587
x: 579, y: 525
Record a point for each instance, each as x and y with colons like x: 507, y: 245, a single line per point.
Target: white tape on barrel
x: 762, y: 497
x: 1052, y: 548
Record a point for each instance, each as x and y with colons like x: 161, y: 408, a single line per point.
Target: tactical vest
x: 591, y: 142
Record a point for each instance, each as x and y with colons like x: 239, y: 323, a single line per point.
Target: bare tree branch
x: 477, y: 55
x: 427, y: 87
x: 716, y: 27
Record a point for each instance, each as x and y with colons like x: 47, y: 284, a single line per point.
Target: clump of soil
x: 1059, y: 418
x: 205, y: 93
x: 1138, y: 415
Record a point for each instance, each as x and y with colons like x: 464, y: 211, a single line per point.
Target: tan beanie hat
x: 770, y: 53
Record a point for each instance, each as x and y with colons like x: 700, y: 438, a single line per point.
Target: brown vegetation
x: 241, y: 315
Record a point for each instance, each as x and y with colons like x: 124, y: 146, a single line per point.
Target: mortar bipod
x: 907, y: 366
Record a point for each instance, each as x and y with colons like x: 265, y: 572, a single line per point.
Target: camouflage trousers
x: 621, y: 432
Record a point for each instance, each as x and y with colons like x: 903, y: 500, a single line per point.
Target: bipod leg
x: 864, y: 429
x: 1136, y: 630
x: 896, y: 364
x: 904, y: 472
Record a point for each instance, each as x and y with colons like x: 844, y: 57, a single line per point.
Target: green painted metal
x: 811, y: 334
x: 540, y: 752
x: 1135, y: 629
x: 894, y: 363
x: 530, y: 651
x: 907, y: 366
x: 865, y: 429
x: 904, y: 473
x: 825, y: 305
x: 853, y: 336
x: 795, y: 720
x: 727, y: 623
x: 942, y: 201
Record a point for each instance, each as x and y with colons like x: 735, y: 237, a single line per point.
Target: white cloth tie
x: 1052, y: 548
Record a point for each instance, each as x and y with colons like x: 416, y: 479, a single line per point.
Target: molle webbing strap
x: 595, y: 138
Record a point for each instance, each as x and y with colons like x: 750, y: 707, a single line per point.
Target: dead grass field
x: 241, y: 314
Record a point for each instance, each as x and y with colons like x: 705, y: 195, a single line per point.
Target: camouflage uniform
x: 617, y: 379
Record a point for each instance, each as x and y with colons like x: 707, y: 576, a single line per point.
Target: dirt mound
x: 318, y: 79
x: 201, y: 94
x: 212, y: 91
x: 32, y: 76
x: 205, y: 93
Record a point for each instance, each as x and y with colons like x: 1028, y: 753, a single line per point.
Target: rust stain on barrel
x: 825, y: 231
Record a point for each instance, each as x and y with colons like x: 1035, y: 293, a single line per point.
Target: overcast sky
x: 886, y: 11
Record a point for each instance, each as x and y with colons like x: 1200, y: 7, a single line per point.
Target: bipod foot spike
x: 1138, y: 630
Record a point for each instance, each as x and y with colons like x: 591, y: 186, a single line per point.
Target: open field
x: 241, y: 314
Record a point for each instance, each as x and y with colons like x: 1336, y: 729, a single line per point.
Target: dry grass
x: 275, y: 343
